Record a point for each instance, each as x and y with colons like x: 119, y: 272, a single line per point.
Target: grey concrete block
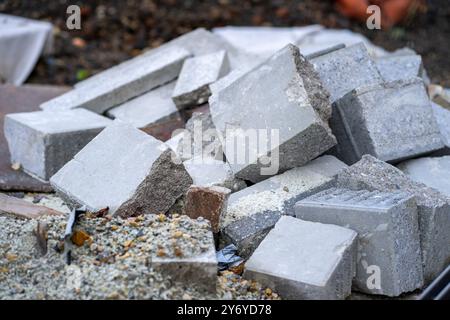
x: 197, y: 74
x: 389, y: 257
x: 148, y: 109
x: 398, y: 67
x: 197, y: 42
x: 442, y: 117
x: 305, y: 260
x: 137, y: 78
x: 42, y: 142
x: 346, y: 69
x: 433, y: 207
x: 433, y: 172
x: 199, y: 270
x: 392, y: 121
x: 282, y: 95
x: 253, y: 211
x: 124, y: 169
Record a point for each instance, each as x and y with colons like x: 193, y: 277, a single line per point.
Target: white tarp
x: 22, y: 42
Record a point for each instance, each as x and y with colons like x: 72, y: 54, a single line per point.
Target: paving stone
x: 149, y: 109
x: 442, y: 117
x: 305, y: 260
x: 434, y: 172
x: 398, y: 67
x: 207, y: 202
x: 392, y: 121
x: 253, y: 211
x: 197, y: 42
x: 388, y: 235
x: 197, y: 74
x: 25, y: 98
x: 283, y: 95
x: 123, y: 169
x: 346, y: 69
x: 433, y: 207
x: 42, y: 142
x: 137, y: 78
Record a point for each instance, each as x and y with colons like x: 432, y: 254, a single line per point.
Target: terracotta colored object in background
x: 392, y: 11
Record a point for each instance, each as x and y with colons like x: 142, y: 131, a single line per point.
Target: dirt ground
x: 113, y: 31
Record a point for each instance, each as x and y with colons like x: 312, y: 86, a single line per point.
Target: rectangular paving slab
x: 137, y: 78
x: 42, y: 142
x: 392, y: 121
x: 305, y: 260
x: 153, y: 107
x: 397, y: 67
x: 346, y: 69
x: 283, y: 98
x: 433, y: 207
x: 124, y: 169
x: 389, y: 258
x: 253, y: 211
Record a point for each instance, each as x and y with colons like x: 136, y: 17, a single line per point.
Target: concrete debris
x: 442, y: 117
x: 388, y: 235
x: 253, y: 211
x: 123, y: 169
x: 392, y: 121
x: 207, y: 202
x: 153, y: 107
x: 397, y: 67
x: 433, y: 207
x: 434, y: 172
x: 346, y: 69
x: 43, y: 142
x: 137, y: 78
x: 284, y: 95
x: 197, y: 74
x: 305, y: 260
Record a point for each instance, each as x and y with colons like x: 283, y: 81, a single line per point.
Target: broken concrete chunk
x: 391, y: 121
x: 210, y: 172
x: 388, y: 235
x: 42, y: 142
x: 305, y: 260
x: 442, y: 117
x: 275, y: 114
x: 197, y: 74
x: 197, y: 42
x: 398, y: 67
x: 253, y: 211
x: 207, y: 202
x: 434, y: 172
x: 123, y: 169
x: 346, y: 69
x: 433, y: 207
x: 148, y: 109
x: 139, y: 77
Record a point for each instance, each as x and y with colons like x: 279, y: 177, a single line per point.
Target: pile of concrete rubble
x: 348, y: 192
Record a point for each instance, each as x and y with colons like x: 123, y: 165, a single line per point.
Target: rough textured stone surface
x: 151, y: 108
x: 123, y: 169
x: 391, y: 121
x: 197, y: 42
x: 346, y: 69
x: 442, y: 117
x: 197, y: 74
x: 253, y: 211
x: 141, y: 76
x: 433, y: 207
x: 282, y: 95
x: 305, y: 260
x: 388, y: 235
x: 207, y: 202
x: 397, y: 67
x: 42, y: 142
x: 434, y: 172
